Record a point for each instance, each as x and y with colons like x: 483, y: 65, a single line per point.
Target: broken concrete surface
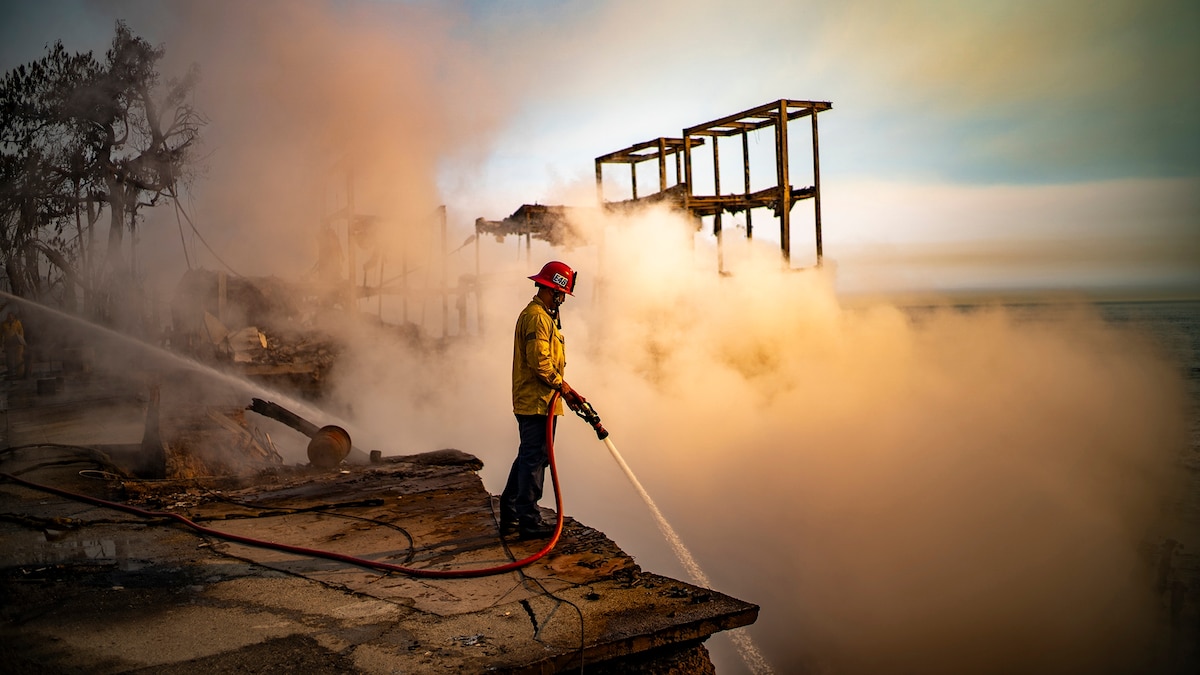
x: 91, y: 589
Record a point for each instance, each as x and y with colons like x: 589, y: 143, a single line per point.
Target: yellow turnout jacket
x: 539, y: 361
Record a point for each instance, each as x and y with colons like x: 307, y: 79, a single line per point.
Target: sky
x: 963, y: 490
x: 980, y: 145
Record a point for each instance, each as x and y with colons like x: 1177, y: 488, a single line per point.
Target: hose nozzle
x: 588, y: 414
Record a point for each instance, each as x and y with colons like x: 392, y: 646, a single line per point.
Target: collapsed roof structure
x: 695, y: 191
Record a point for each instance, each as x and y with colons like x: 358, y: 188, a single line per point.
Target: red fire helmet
x: 556, y: 276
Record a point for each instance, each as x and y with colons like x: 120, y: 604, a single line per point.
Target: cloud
x: 1026, y: 91
x: 1137, y: 233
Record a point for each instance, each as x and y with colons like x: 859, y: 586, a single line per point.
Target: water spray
x: 383, y: 566
x: 174, y: 359
x: 741, y: 639
x: 746, y: 647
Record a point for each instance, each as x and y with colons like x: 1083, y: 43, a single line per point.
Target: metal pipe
x: 328, y: 447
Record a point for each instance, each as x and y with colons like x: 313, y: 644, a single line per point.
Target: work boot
x: 508, y: 520
x: 536, y: 530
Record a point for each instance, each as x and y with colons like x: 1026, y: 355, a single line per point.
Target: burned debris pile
x: 262, y: 327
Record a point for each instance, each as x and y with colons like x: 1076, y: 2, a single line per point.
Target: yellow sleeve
x: 537, y: 350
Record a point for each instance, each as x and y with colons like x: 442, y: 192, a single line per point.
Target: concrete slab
x: 91, y: 589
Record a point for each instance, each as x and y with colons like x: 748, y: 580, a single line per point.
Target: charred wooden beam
x: 283, y: 415
x: 757, y: 118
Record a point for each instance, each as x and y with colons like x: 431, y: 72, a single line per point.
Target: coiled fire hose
x: 340, y: 557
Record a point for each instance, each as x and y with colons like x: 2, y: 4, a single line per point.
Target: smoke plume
x: 950, y: 490
x: 932, y: 490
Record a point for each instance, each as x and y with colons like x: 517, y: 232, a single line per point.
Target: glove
x: 571, y: 397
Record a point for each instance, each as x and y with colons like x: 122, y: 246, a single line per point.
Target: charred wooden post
x: 283, y: 415
x: 657, y: 150
x: 662, y: 164
x: 817, y: 189
x: 784, y: 209
x: 152, y: 460
x: 716, y: 147
x: 328, y: 445
x: 746, y: 181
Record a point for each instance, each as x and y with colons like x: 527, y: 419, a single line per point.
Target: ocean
x: 1173, y: 550
x: 1176, y: 326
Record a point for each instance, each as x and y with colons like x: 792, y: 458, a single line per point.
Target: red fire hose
x: 330, y: 555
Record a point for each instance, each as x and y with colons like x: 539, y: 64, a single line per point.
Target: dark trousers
x: 525, y: 478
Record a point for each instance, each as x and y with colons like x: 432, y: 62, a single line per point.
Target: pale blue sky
x: 1017, y: 123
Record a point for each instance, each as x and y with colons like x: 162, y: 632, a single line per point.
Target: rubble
x: 265, y: 328
x: 105, y: 591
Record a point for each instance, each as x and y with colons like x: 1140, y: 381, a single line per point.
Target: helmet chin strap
x: 559, y: 298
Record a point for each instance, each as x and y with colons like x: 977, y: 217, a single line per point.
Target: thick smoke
x: 928, y: 491
x: 314, y: 108
x: 932, y: 490
x: 940, y: 491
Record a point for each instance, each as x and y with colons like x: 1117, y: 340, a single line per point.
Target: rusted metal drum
x: 328, y: 447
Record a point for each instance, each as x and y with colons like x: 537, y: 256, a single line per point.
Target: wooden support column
x: 687, y: 172
x: 687, y: 176
x: 817, y: 186
x: 662, y: 164
x: 599, y: 183
x: 746, y: 181
x: 717, y: 215
x: 785, y: 186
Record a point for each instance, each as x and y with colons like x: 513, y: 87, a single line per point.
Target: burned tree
x: 42, y: 165
x: 76, y: 136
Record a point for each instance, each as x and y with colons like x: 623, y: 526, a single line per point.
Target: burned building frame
x: 685, y: 194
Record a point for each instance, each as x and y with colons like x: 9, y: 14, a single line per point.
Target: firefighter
x: 13, y: 335
x: 539, y: 360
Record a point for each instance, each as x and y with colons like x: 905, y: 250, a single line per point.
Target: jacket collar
x: 552, y: 313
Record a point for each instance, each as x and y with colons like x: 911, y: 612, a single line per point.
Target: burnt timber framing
x: 534, y: 221
x: 360, y: 231
x: 658, y: 149
x: 780, y: 197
